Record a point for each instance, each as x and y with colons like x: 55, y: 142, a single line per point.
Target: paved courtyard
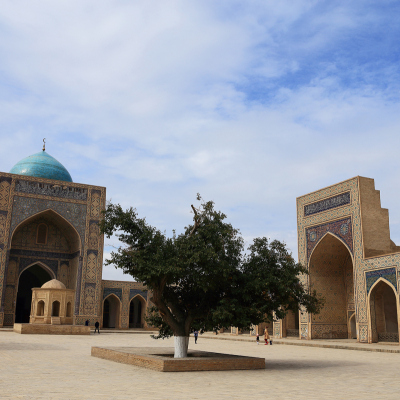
x: 60, y: 367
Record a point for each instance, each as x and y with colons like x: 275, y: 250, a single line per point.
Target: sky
x: 249, y: 103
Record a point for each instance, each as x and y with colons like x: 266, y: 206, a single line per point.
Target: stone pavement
x: 60, y: 367
x: 347, y: 344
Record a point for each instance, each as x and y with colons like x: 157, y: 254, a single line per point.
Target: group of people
x: 96, y: 326
x: 266, y: 337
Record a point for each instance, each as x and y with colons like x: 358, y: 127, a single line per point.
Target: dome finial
x: 44, y: 144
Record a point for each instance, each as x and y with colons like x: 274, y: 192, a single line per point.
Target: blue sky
x: 250, y: 103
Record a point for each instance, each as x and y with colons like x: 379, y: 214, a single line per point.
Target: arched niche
x: 55, y: 309
x: 111, y: 312
x: 331, y: 275
x: 49, y: 236
x: 137, y: 308
x: 383, y: 312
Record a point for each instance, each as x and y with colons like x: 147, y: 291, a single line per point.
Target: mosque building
x: 49, y: 229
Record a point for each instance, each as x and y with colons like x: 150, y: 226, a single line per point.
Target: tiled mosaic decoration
x: 327, y: 204
x: 372, y: 276
x: 341, y: 228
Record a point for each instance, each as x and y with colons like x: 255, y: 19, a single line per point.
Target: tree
x: 202, y: 279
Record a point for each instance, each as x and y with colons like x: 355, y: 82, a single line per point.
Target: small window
x: 41, y: 236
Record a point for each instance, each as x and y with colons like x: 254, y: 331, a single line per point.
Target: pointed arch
x: 336, y: 237
x: 331, y: 274
x: 137, y: 309
x: 43, y: 265
x: 112, y: 306
x: 32, y: 276
x: 58, y: 218
x: 383, y: 312
x: 381, y: 279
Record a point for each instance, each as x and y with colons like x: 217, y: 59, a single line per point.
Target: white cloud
x: 249, y: 103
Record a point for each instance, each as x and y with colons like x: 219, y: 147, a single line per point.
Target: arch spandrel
x: 341, y: 229
x: 336, y: 237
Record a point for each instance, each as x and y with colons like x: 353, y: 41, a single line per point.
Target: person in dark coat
x: 196, y: 335
x: 87, y: 322
x: 97, y: 326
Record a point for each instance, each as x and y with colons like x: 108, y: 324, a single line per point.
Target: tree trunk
x: 181, y: 346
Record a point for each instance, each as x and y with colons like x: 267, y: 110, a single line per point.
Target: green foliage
x: 201, y: 279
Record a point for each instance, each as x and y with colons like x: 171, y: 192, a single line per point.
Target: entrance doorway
x: 136, y: 309
x: 331, y: 275
x: 383, y: 313
x: 34, y: 276
x: 292, y: 324
x: 111, y: 312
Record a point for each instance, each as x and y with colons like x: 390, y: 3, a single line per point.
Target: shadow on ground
x: 294, y: 365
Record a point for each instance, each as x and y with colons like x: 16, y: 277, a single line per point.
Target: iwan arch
x: 344, y: 240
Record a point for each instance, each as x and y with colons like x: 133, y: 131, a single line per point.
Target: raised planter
x: 162, y: 359
x: 47, y: 329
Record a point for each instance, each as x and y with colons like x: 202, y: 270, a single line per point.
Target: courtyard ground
x: 60, y: 367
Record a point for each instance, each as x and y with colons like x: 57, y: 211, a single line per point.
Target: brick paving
x: 60, y: 367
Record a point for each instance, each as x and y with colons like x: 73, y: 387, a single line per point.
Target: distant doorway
x: 34, y: 276
x: 111, y: 312
x: 136, y: 311
x: 383, y: 313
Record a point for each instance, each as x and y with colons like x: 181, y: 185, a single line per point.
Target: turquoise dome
x: 42, y: 165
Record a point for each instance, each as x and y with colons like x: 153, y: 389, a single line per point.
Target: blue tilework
x: 388, y: 273
x: 116, y: 291
x: 42, y: 165
x: 134, y: 292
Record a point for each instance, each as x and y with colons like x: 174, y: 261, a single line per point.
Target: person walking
x: 258, y: 339
x: 196, y: 335
x: 97, y: 326
x: 266, y: 335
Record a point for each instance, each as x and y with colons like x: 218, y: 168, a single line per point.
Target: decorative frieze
x: 327, y: 204
x: 54, y: 190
